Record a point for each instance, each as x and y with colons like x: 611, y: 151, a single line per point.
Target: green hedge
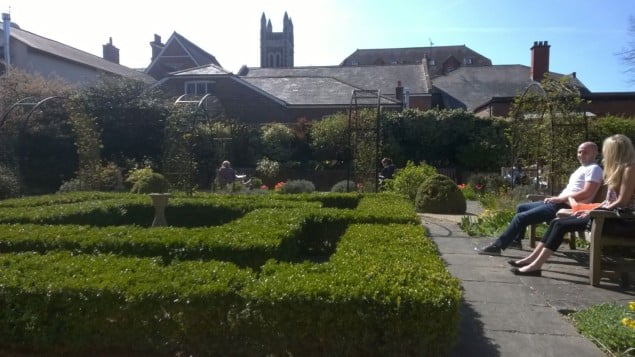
x: 287, y: 276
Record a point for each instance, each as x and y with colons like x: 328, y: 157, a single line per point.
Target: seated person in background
x: 582, y: 186
x: 227, y: 175
x: 388, y: 170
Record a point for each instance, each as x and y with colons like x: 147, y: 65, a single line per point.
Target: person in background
x: 388, y: 170
x: 619, y: 176
x: 583, y: 185
x: 226, y: 174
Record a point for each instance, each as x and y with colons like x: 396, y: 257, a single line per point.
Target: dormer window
x: 199, y: 87
x: 467, y: 60
x: 431, y: 62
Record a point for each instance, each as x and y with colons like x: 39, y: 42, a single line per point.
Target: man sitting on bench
x: 582, y: 186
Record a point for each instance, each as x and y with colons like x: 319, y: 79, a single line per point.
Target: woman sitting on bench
x: 619, y: 175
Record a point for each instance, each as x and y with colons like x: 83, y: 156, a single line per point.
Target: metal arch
x: 21, y: 102
x: 199, y: 103
x: 38, y: 104
x: 368, y: 98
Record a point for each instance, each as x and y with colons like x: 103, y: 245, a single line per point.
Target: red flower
x: 461, y: 186
x: 264, y: 187
x: 278, y: 186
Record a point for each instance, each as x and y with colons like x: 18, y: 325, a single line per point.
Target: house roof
x: 311, y: 91
x: 470, y: 87
x: 187, y: 49
x: 414, y: 55
x: 69, y: 53
x: 383, y: 78
x: 205, y: 70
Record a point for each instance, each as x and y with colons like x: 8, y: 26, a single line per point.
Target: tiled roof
x: 295, y: 90
x: 61, y: 50
x: 414, y: 55
x: 470, y: 87
x: 206, y: 70
x: 383, y: 78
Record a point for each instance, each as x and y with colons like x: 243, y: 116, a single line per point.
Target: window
x: 467, y: 61
x: 199, y: 87
x: 431, y: 62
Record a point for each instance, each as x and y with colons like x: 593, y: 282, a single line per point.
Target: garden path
x: 507, y: 315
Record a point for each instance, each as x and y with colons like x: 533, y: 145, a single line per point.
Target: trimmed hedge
x: 287, y: 276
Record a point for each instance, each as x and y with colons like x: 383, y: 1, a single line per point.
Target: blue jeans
x: 526, y: 215
x: 559, y: 227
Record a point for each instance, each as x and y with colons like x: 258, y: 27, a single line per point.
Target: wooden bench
x: 600, y: 264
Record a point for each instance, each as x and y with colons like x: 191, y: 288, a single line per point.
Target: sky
x: 586, y: 36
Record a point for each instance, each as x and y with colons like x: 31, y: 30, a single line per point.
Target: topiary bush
x: 408, y: 179
x: 341, y: 186
x: 297, y: 186
x: 152, y: 183
x: 9, y: 185
x: 439, y: 194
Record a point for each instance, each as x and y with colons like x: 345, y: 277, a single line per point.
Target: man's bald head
x: 587, y: 152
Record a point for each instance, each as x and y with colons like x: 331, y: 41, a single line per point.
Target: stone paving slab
x: 508, y: 315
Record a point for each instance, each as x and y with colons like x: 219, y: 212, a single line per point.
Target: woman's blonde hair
x: 617, y: 154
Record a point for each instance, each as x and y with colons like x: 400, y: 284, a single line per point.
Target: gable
x: 178, y: 54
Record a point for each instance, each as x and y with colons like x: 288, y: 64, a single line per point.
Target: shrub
x: 9, y: 185
x: 297, y: 186
x: 135, y: 175
x: 152, y: 183
x: 408, y: 179
x: 268, y: 169
x: 74, y: 185
x: 439, y: 194
x: 341, y: 186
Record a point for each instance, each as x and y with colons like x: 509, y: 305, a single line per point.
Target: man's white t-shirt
x: 591, y: 172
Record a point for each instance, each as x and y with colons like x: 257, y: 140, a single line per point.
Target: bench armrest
x: 602, y: 214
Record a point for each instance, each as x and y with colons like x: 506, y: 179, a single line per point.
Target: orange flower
x: 461, y: 186
x: 278, y: 186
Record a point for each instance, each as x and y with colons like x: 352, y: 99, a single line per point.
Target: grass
x: 602, y: 324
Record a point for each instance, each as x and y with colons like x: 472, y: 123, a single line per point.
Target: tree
x: 130, y: 118
x: 39, y: 151
x: 628, y: 54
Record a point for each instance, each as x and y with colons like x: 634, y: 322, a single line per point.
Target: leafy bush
x: 74, y: 185
x: 297, y: 186
x: 408, y: 179
x: 268, y: 169
x: 9, y: 185
x: 439, y: 194
x: 278, y: 140
x: 137, y: 174
x: 155, y: 182
x: 344, y: 186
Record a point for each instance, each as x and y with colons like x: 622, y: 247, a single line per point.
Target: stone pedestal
x: 160, y: 201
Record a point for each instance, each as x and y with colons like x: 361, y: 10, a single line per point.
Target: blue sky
x: 585, y: 35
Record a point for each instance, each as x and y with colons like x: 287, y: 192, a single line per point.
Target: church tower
x: 276, y: 48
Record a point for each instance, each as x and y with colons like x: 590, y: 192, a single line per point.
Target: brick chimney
x: 539, y: 60
x: 157, y: 46
x: 6, y: 30
x: 111, y: 53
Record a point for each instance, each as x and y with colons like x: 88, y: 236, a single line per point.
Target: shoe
x: 517, y: 271
x: 489, y: 250
x: 516, y: 245
x: 513, y: 263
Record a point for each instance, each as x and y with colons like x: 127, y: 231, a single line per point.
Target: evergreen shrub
x: 344, y: 186
x: 439, y: 194
x: 154, y: 182
x: 297, y: 186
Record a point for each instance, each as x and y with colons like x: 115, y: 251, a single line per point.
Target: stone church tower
x: 276, y: 48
